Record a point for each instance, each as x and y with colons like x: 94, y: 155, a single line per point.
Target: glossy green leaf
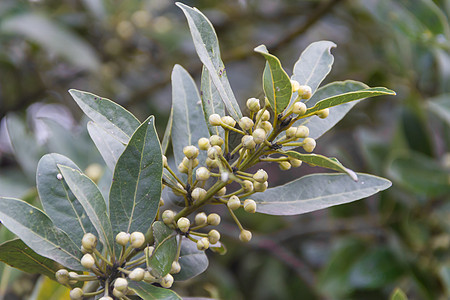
x: 398, y: 294
x: 347, y: 97
x: 109, y: 146
x: 18, y: 255
x: 192, y: 261
x: 58, y: 201
x: 109, y: 115
x: 441, y: 107
x: 317, y: 191
x: 188, y: 122
x: 165, y: 249
x: 314, y: 64
x: 167, y: 134
x: 136, y: 187
x: 36, y: 230
x: 57, y: 39
x: 211, y: 102
x: 207, y: 46
x: 88, y: 194
x: 276, y: 83
x: 150, y: 292
x: 322, y: 161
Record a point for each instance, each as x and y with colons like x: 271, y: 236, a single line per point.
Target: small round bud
x: 175, y: 268
x: 167, y: 217
x: 203, y: 244
x: 211, y: 163
x: 227, y: 120
x: 247, y: 185
x: 246, y: 123
x: 250, y: 206
x: 94, y: 171
x: 213, y: 219
x: 59, y: 176
x: 261, y: 176
x: 222, y: 191
x: 117, y: 293
x: 76, y: 294
x: 189, y: 163
x: 200, y: 218
x: 245, y: 236
x: 295, y: 162
x: 121, y: 284
x: 182, y: 168
x: 137, y: 239
x: 73, y: 278
x: 137, y: 274
x: 295, y: 85
x: 167, y: 281
x: 148, y: 251
x: 105, y: 298
x: 224, y: 176
x: 266, y: 125
x: 164, y: 159
x: 122, y: 238
x: 323, y: 113
x: 233, y: 203
x: 183, y: 224
x: 149, y: 277
x: 202, y: 174
x: 253, y: 104
x: 191, y: 152
x: 260, y: 187
x: 89, y: 241
x: 203, y: 143
x: 259, y: 135
x: 304, y: 92
x: 62, y: 276
x: 215, y: 120
x: 198, y: 194
x: 84, y: 251
x: 216, y: 140
x: 299, y: 108
x: 213, y: 236
x: 87, y: 261
x: 290, y: 132
x: 248, y: 142
x: 265, y: 115
x: 309, y: 144
x: 302, y: 132
x: 284, y: 165
x: 161, y: 202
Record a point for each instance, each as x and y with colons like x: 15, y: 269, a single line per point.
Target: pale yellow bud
x: 305, y: 92
x: 248, y: 142
x: 89, y: 242
x: 164, y: 159
x: 245, y: 236
x: 265, y: 115
x: 299, y: 108
x: 76, y: 294
x: 295, y: 85
x: 323, y: 113
x: 137, y: 274
x: 260, y: 187
x: 290, y: 132
x: 203, y: 244
x: 234, y: 203
x: 261, y: 176
x: 122, y: 238
x: 203, y: 143
x: 259, y: 135
x: 295, y: 162
x: 149, y: 277
x: 137, y: 239
x: 228, y: 121
x: 284, y: 165
x: 213, y: 219
x: 167, y: 217
x: 253, y: 104
x: 87, y: 261
x: 200, y: 218
x: 211, y: 163
x: 266, y: 125
x: 246, y: 123
x: 198, y: 194
x: 213, y: 236
x: 309, y: 144
x: 183, y: 224
x: 167, y: 281
x: 62, y: 276
x: 190, y: 152
x: 215, y: 120
x: 182, y: 168
x: 121, y: 284
x: 250, y: 206
x: 117, y: 293
x: 175, y: 268
x: 247, y: 185
x: 222, y: 191
x: 202, y: 174
x: 216, y: 140
x: 302, y: 132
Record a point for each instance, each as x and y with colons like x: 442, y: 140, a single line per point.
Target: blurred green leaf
x: 440, y: 105
x: 211, y: 102
x: 445, y: 278
x: 165, y: 249
x: 192, y: 261
x: 415, y: 131
x: 398, y: 294
x: 150, y: 292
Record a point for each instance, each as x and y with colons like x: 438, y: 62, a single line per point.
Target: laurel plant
x: 152, y: 228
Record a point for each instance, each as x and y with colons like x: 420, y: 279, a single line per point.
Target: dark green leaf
x: 398, y: 294
x: 441, y: 107
x: 192, y: 261
x: 112, y: 117
x: 165, y: 249
x: 150, y: 292
x: 88, y: 194
x: 36, y: 230
x: 207, y: 46
x: 211, y: 102
x: 317, y: 191
x: 276, y: 83
x: 136, y: 187
x: 167, y: 133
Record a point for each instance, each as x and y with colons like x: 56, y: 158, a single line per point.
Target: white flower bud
x: 216, y: 140
x: 122, y: 238
x: 87, y: 261
x: 222, y: 191
x: 105, y: 298
x: 62, y: 276
x: 117, y: 293
x: 76, y: 294
x: 121, y: 284
x: 215, y: 120
x: 250, y: 206
x: 190, y: 162
x: 148, y: 251
x: 248, y: 142
x: 227, y: 120
x: 284, y: 165
x: 302, y: 132
x: 245, y: 236
x: 253, y: 104
x: 89, y: 241
x: 323, y: 113
x: 175, y: 268
x: 213, y: 219
x: 167, y: 217
x: 59, y: 176
x: 182, y: 168
x: 176, y: 192
x: 213, y: 236
x: 167, y: 281
x: 261, y: 176
x: 164, y: 159
x: 290, y: 132
x: 137, y: 239
x: 246, y: 123
x: 309, y: 144
x: 203, y: 244
x: 224, y: 176
x: 295, y: 85
x: 260, y: 187
x: 149, y: 278
x: 259, y: 135
x: 304, y: 92
x: 203, y: 143
x: 191, y: 152
x: 265, y: 115
x: 202, y: 174
x: 73, y: 278
x: 183, y: 224
x: 137, y: 274
x: 211, y: 163
x: 247, y: 185
x: 200, y: 218
x: 295, y: 162
x: 266, y: 125
x: 299, y: 108
x: 198, y: 194
x: 233, y: 203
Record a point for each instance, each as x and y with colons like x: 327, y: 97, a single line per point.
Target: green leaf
x: 276, y: 82
x: 347, y: 97
x: 207, y: 47
x: 167, y: 133
x: 314, y: 64
x: 398, y: 294
x: 317, y: 191
x: 109, y: 146
x: 165, y: 249
x: 444, y: 273
x: 112, y: 117
x: 58, y: 201
x: 88, y: 194
x: 136, y: 187
x: 192, y: 261
x: 36, y: 230
x: 211, y: 102
x: 440, y: 105
x: 18, y: 255
x: 188, y: 122
x: 322, y: 161
x: 150, y: 292
x: 57, y: 39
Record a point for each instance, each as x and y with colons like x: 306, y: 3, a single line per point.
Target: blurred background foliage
x: 125, y: 50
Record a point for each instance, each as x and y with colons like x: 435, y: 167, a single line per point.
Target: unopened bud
x: 261, y: 176
x: 117, y: 293
x: 164, y: 159
x: 247, y: 185
x: 148, y: 251
x: 227, y: 120
x: 167, y: 217
x: 246, y: 123
x: 73, y: 278
x: 265, y: 115
x: 202, y: 174
x: 250, y: 206
x: 245, y: 236
x: 260, y: 187
x: 198, y: 194
x: 213, y: 236
x: 284, y: 165
x: 175, y: 268
x: 234, y: 203
x: 203, y: 244
x: 216, y: 140
x: 62, y: 276
x: 295, y: 85
x: 290, y: 132
x: 266, y: 125
x: 200, y: 218
x: 76, y: 294
x: 309, y: 144
x: 137, y: 274
x: 190, y: 152
x: 213, y: 219
x: 137, y: 239
x: 248, y: 142
x: 259, y: 135
x: 89, y: 241
x: 167, y: 281
x: 323, y: 113
x: 105, y: 298
x: 295, y: 162
x: 299, y: 108
x: 253, y: 104
x: 182, y: 168
x: 87, y: 261
x: 302, y: 132
x: 304, y: 92
x: 183, y: 224
x: 215, y: 120
x: 121, y: 284
x: 149, y: 278
x: 122, y: 238
x: 211, y: 163
x: 203, y: 143
x: 222, y: 191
